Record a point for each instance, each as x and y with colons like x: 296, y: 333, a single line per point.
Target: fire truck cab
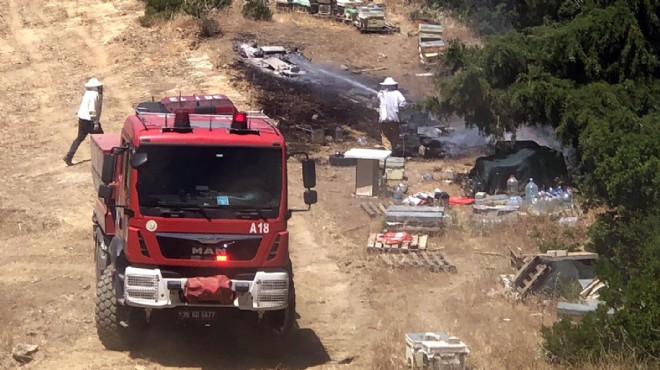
x: 191, y: 216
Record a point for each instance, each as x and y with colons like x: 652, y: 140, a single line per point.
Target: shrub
x: 199, y: 8
x: 257, y: 10
x: 555, y: 243
x: 147, y: 20
x: 208, y: 27
x: 585, y: 339
x: 162, y: 8
x: 167, y: 8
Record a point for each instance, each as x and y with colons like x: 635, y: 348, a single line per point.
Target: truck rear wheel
x: 118, y: 326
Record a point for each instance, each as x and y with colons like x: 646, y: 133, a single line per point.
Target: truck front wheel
x: 118, y: 326
x: 280, y: 324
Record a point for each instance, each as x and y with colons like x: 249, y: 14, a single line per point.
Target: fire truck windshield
x: 210, y: 181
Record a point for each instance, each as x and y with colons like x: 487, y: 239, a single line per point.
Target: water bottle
x: 560, y: 197
x: 569, y: 196
x: 398, y: 194
x: 514, y: 200
x: 512, y: 185
x: 531, y: 191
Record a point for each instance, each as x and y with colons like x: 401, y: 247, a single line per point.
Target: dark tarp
x: 565, y: 275
x: 527, y: 160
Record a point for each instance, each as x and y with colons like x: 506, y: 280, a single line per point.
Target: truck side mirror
x: 138, y: 159
x: 309, y: 174
x: 310, y: 197
x: 105, y: 192
x: 108, y: 169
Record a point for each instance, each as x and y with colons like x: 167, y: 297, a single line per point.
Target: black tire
x: 280, y: 325
x: 339, y: 160
x: 117, y: 326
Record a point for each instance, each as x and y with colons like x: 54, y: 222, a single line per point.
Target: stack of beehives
x: 431, y: 44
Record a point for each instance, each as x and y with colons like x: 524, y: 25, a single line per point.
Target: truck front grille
x: 207, y: 246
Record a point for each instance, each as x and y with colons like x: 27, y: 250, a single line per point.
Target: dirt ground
x: 353, y: 309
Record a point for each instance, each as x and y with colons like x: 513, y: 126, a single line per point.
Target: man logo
x: 211, y: 251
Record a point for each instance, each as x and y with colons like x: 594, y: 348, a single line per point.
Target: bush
x: 162, y: 8
x: 199, y: 8
x: 208, y: 27
x: 147, y: 20
x: 575, y: 343
x: 557, y: 244
x: 257, y: 10
x: 167, y: 8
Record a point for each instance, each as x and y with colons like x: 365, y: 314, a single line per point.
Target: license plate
x: 198, y: 315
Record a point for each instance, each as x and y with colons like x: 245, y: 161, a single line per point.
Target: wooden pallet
x: 528, y: 276
x: 374, y: 209
x: 419, y: 242
x: 431, y: 260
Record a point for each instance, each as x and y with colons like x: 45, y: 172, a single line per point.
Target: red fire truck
x: 191, y: 218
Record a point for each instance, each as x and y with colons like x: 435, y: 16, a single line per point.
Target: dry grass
x: 502, y: 333
x: 7, y: 332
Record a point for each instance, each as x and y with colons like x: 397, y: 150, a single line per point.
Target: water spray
x: 346, y: 79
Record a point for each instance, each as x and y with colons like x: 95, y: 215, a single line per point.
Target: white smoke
x: 542, y: 135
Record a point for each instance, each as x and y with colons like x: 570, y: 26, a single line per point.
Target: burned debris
x: 269, y: 59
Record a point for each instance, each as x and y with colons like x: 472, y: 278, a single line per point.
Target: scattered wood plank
x: 368, y: 208
x: 369, y: 70
x: 373, y: 209
x: 422, y: 228
x: 431, y: 260
x: 491, y: 253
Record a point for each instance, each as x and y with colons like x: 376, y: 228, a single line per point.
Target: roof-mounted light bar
x: 239, y: 121
x: 181, y: 122
x: 240, y: 125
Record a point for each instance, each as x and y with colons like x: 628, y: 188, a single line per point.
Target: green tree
x: 591, y: 71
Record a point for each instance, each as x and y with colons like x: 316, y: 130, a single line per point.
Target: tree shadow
x: 228, y: 345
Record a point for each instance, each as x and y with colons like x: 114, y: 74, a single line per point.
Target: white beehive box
x: 435, y: 351
x: 395, y: 169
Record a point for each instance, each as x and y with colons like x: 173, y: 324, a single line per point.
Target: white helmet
x: 389, y: 82
x: 93, y: 82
